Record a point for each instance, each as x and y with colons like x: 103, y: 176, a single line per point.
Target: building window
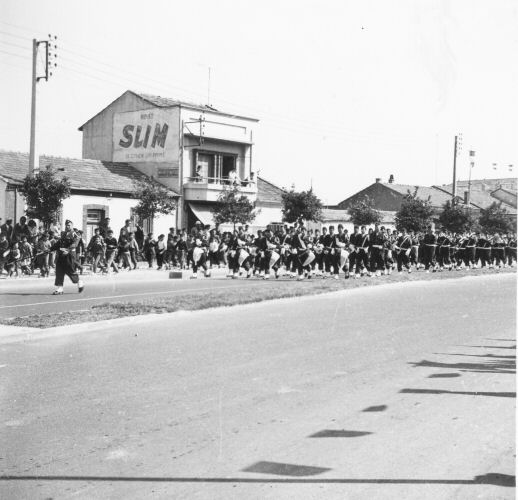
x: 213, y: 168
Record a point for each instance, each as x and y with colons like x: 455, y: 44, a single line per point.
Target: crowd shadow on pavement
x: 466, y: 393
x: 494, y: 364
x: 494, y: 479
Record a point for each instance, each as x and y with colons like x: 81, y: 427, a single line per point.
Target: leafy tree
x: 363, y: 212
x: 154, y: 198
x: 456, y: 218
x: 44, y: 193
x: 495, y: 219
x: 414, y: 213
x: 234, y: 208
x: 301, y: 205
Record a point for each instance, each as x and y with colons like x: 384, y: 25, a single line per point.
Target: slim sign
x: 143, y: 136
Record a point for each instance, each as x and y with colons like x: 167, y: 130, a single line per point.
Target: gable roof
x: 168, y: 102
x: 437, y: 197
x: 268, y: 192
x: 84, y: 175
x: 508, y: 196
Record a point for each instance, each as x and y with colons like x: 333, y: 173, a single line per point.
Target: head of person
x: 69, y: 225
x: 161, y: 237
x: 23, y: 220
x: 9, y: 222
x: 340, y: 228
x: 97, y: 231
x: 363, y: 229
x: 331, y: 229
x: 324, y: 230
x: 356, y: 229
x: 127, y: 222
x: 110, y: 233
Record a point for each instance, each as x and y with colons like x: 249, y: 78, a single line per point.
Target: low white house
x: 99, y: 190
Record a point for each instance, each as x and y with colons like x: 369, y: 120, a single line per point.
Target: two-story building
x: 192, y: 149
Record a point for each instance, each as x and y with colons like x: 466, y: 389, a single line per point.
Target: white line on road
x: 121, y: 296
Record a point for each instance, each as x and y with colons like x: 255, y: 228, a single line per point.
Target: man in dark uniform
x: 430, y: 243
x: 378, y: 239
x: 362, y: 257
x: 404, y: 246
x: 66, y: 259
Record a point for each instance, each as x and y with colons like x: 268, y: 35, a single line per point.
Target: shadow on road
x: 492, y: 365
x: 494, y: 479
x: 331, y: 433
x: 466, y: 393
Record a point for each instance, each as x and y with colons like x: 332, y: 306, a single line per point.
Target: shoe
x: 58, y: 292
x: 194, y: 276
x: 80, y: 286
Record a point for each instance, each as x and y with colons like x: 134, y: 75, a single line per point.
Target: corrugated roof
x: 268, y: 192
x: 482, y: 199
x: 87, y: 175
x: 437, y: 198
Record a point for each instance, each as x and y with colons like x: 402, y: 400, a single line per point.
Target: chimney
x: 391, y: 179
x: 378, y: 180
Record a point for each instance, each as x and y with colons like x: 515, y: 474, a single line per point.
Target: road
x: 404, y: 391
x: 34, y: 296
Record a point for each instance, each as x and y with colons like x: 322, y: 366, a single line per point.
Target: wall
x: 98, y: 132
x: 117, y: 209
x: 12, y: 203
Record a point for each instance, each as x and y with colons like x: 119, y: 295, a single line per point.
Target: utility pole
x: 456, y: 151
x: 471, y: 165
x: 49, y: 63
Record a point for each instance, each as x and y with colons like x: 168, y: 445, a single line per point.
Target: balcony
x: 210, y: 188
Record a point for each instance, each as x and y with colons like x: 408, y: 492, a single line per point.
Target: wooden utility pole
x: 456, y: 150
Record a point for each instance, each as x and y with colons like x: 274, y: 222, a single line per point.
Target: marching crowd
x: 366, y: 251
x: 299, y: 252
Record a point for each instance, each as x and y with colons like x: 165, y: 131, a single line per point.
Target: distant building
x: 195, y: 150
x: 389, y: 196
x: 99, y: 190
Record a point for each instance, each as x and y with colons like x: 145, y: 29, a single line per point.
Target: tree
x: 154, y: 198
x: 234, y: 208
x: 301, y: 205
x: 495, y: 219
x: 44, y: 193
x: 414, y: 214
x: 456, y: 218
x: 363, y: 212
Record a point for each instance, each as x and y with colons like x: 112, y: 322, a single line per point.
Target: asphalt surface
x: 404, y: 391
x: 23, y: 297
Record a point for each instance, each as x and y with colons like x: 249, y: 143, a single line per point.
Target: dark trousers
x: 444, y: 256
x: 402, y: 260
x: 362, y: 260
x: 65, y: 264
x: 377, y: 259
x: 429, y: 257
x: 484, y: 255
x: 469, y: 256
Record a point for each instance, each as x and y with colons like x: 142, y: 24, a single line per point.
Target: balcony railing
x: 222, y: 181
x: 209, y: 188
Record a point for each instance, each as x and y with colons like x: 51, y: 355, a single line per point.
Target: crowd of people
x: 293, y: 251
x: 304, y: 253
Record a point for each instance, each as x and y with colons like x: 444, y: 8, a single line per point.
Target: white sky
x: 346, y: 91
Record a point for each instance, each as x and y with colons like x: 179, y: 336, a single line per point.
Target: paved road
x: 24, y: 297
x: 405, y: 391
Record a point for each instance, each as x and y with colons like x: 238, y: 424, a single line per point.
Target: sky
x: 345, y: 91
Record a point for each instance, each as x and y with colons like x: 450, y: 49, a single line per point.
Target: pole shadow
x: 465, y: 393
x: 492, y: 478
